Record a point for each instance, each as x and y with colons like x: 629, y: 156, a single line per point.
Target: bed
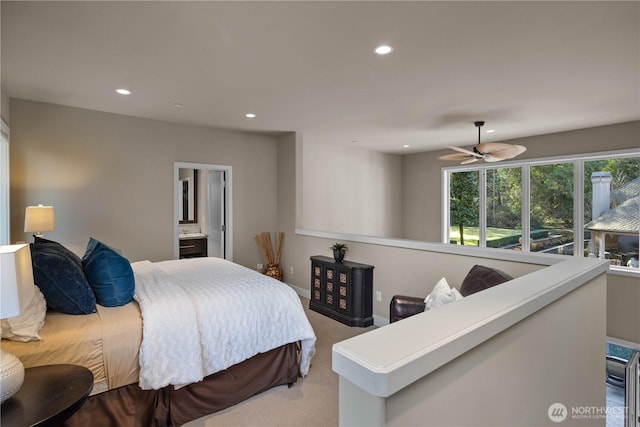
x: 202, y: 334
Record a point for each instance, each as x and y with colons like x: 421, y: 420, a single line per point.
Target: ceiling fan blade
x: 492, y: 147
x: 465, y: 151
x: 455, y: 156
x: 498, y: 151
x: 471, y: 160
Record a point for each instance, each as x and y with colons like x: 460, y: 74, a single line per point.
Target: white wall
x: 111, y: 177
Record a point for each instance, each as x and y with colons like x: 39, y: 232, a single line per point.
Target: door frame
x: 228, y: 202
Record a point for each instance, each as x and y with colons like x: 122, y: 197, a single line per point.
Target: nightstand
x: 49, y: 395
x: 192, y: 248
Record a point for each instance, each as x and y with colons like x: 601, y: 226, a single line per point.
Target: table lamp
x: 18, y: 289
x: 39, y: 218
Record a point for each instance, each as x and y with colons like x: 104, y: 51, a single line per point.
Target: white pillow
x: 441, y: 294
x: 26, y: 326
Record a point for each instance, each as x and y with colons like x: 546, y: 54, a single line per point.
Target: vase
x: 274, y: 271
x: 11, y: 375
x: 338, y: 255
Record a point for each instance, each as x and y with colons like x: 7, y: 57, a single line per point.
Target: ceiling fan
x: 487, y: 151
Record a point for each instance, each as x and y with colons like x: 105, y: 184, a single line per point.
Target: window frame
x: 5, y: 224
x: 578, y: 161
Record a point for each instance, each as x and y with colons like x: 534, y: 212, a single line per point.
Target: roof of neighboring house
x: 623, y: 219
x: 626, y: 191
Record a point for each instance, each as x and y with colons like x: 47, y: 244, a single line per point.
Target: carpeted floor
x: 312, y: 401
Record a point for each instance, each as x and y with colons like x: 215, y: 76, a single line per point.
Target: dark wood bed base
x: 132, y: 406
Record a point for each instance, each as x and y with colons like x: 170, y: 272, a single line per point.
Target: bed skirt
x: 132, y: 406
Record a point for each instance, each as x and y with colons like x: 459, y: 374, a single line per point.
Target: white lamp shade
x: 39, y: 218
x: 16, y: 279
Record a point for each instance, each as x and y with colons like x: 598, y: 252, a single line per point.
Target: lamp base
x: 11, y: 375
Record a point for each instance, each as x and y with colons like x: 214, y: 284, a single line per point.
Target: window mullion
x: 578, y: 208
x: 482, y: 209
x: 446, y: 194
x: 526, y: 208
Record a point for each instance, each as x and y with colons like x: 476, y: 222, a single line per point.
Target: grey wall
x: 111, y: 177
x: 4, y: 106
x: 351, y: 190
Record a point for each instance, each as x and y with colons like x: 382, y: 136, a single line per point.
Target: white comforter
x: 202, y: 315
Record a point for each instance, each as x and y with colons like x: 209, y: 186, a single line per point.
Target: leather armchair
x: 403, y: 306
x: 479, y: 278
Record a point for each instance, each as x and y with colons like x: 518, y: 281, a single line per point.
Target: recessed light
x: 123, y: 91
x: 250, y: 115
x: 383, y: 49
x: 491, y: 130
x: 177, y: 105
x: 406, y: 146
x: 355, y: 141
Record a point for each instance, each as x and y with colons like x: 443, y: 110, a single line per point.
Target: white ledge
x: 473, y: 251
x: 386, y: 360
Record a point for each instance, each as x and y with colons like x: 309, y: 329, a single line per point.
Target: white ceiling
x: 526, y: 68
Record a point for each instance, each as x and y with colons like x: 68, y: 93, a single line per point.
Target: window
x: 504, y: 207
x: 4, y: 184
x: 551, y: 205
x: 580, y: 205
x: 465, y: 213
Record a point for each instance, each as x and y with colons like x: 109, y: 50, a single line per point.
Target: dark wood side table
x: 49, y: 395
x: 342, y: 290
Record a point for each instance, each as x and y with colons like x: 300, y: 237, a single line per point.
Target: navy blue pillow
x: 109, y: 274
x: 61, y: 281
x: 42, y: 243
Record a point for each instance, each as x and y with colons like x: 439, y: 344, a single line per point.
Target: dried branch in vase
x: 263, y: 240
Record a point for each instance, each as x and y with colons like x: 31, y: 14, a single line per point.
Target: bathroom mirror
x: 188, y: 196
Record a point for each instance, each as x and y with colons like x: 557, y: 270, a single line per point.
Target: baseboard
x: 306, y: 293
x: 380, y: 321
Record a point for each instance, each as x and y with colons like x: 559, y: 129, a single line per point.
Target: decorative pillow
x: 480, y: 278
x: 26, y: 326
x: 57, y: 247
x: 61, y: 281
x: 441, y: 294
x: 109, y: 274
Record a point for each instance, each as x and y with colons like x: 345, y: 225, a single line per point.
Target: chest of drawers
x: 342, y: 291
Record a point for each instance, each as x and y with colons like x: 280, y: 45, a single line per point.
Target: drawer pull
x: 187, y: 247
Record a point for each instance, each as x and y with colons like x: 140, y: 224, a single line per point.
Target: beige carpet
x: 312, y: 401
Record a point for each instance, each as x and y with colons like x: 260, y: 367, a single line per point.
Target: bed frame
x: 132, y: 406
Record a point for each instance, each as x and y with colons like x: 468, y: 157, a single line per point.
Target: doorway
x: 213, y: 205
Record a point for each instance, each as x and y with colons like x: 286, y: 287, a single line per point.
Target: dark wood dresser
x: 193, y: 247
x: 342, y: 291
